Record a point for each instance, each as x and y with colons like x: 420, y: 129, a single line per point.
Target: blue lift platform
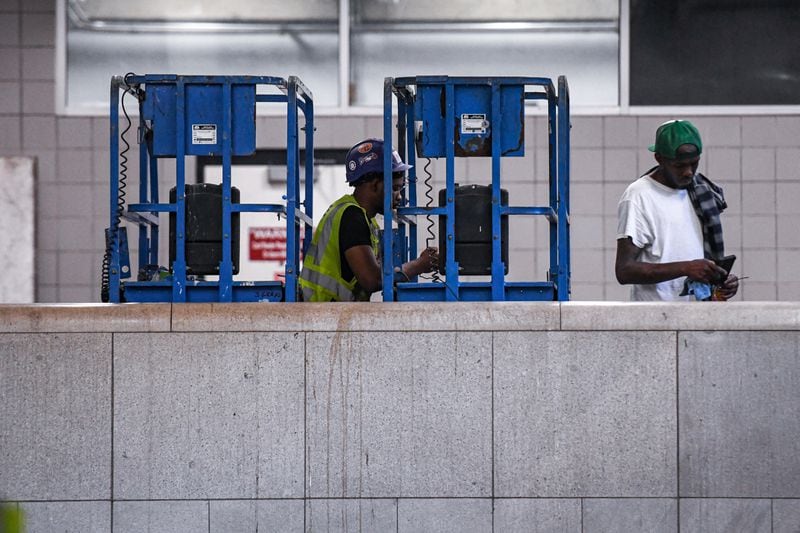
x: 182, y: 116
x: 451, y: 117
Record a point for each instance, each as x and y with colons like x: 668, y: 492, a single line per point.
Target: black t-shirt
x: 353, y: 231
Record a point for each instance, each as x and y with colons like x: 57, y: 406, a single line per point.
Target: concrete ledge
x: 368, y: 316
x: 64, y: 318
x: 402, y: 316
x: 597, y: 316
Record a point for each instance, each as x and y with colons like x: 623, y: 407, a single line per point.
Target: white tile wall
x: 38, y: 29
x: 38, y: 131
x: 788, y: 198
x: 758, y: 198
x: 787, y: 131
x: 721, y: 131
x: 619, y: 165
x: 9, y: 29
x: 587, y: 132
x: 9, y: 134
x: 619, y: 132
x: 755, y: 158
x: 758, y: 232
x: 759, y: 131
x: 38, y: 63
x: 38, y: 97
x: 787, y: 163
x: 788, y: 234
x: 11, y: 101
x: 722, y: 164
x: 74, y: 132
x: 10, y: 6
x: 758, y: 164
x: 10, y: 58
x: 34, y: 6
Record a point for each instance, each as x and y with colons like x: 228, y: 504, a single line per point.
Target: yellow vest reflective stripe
x: 321, y: 278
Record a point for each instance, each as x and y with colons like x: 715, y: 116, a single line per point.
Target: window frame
x: 345, y: 108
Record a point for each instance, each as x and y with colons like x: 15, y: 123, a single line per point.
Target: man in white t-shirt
x: 660, y: 237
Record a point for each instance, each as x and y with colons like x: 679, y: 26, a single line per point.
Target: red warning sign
x: 269, y: 244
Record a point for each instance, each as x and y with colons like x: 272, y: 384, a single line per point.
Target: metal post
x: 399, y: 248
x: 154, y: 230
x: 179, y: 266
x: 498, y: 270
x: 563, y: 191
x: 292, y: 182
x: 144, y: 243
x: 113, y: 237
x: 226, y: 265
x: 410, y: 157
x: 387, y: 260
x: 309, y: 169
x: 553, y: 182
x: 451, y: 269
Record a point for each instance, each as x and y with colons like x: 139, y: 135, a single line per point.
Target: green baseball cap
x: 672, y: 135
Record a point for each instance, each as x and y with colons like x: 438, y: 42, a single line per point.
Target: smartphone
x: 726, y: 263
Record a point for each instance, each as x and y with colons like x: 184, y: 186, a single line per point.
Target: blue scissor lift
x: 469, y: 117
x: 182, y: 116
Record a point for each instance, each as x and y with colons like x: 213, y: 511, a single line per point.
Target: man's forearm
x: 640, y: 273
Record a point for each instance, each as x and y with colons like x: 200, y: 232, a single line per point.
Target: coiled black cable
x: 113, y: 230
x: 429, y: 229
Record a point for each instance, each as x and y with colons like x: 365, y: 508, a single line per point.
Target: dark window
x: 714, y: 52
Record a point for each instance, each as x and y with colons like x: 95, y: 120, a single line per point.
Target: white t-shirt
x: 662, y: 222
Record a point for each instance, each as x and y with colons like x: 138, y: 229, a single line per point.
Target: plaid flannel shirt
x: 709, y: 202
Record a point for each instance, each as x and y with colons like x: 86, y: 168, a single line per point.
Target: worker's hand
x: 727, y: 290
x: 704, y: 270
x: 429, y: 259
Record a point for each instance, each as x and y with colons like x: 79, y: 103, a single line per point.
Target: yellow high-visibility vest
x: 12, y: 519
x: 321, y: 278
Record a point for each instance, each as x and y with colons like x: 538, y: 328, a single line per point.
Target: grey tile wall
x: 537, y: 515
x: 785, y: 516
x: 56, y: 445
x: 248, y: 516
x: 655, y: 515
x: 588, y: 430
x: 172, y: 516
x: 377, y: 428
x: 737, y: 399
x: 599, y: 446
x: 221, y: 419
x: 725, y: 515
x: 444, y: 515
x: 351, y: 515
x: 68, y: 517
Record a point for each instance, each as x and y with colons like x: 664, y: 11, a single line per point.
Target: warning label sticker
x: 474, y: 123
x: 204, y: 134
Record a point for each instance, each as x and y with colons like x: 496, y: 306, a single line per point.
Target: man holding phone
x: 669, y: 236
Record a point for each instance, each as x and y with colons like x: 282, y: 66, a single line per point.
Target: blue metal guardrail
x: 182, y: 116
x: 465, y: 117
